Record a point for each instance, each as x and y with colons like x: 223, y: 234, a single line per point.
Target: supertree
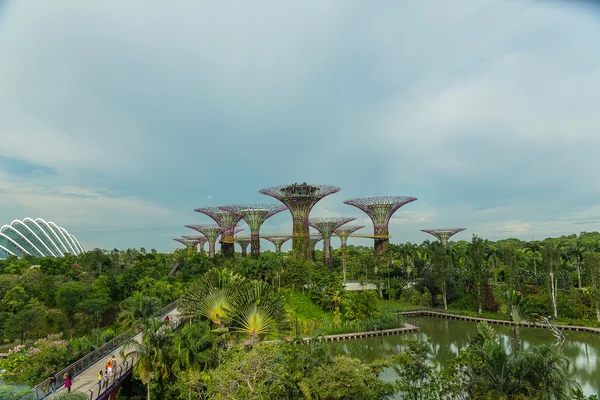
x: 199, y: 239
x: 278, y: 241
x: 343, y: 232
x: 380, y: 209
x: 326, y: 226
x: 443, y: 234
x: 243, y: 242
x: 300, y: 198
x: 211, y: 231
x: 226, y: 220
x: 189, y: 244
x: 254, y: 215
x: 312, y: 242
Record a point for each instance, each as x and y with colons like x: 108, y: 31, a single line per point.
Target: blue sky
x: 117, y: 119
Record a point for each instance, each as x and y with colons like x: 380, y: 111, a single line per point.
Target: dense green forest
x: 242, y: 316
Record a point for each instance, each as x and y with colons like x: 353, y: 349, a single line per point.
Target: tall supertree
x: 211, y: 231
x: 326, y: 226
x: 243, y: 242
x: 312, y: 242
x: 278, y: 241
x: 343, y: 232
x: 443, y: 234
x: 200, y: 239
x: 300, y: 198
x: 189, y: 244
x: 254, y: 215
x: 226, y: 220
x: 380, y: 209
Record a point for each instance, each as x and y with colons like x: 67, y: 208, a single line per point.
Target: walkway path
x: 451, y: 315
x: 88, y: 379
x: 407, y: 328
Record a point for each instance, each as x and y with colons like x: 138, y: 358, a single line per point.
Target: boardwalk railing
x: 53, y: 383
x: 101, y: 389
x: 438, y: 312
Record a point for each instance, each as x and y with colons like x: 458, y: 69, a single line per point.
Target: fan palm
x: 259, y: 311
x: 212, y: 296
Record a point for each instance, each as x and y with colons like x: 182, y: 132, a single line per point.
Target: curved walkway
x: 87, y: 381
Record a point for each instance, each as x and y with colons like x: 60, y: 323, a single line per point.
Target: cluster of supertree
x: 299, y: 200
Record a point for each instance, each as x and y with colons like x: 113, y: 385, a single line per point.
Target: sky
x: 118, y: 119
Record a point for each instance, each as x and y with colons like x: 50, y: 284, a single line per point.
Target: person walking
x: 68, y: 382
x: 105, y: 378
x: 108, y: 365
x: 100, y: 376
x: 113, y: 360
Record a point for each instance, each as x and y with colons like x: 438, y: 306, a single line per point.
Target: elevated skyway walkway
x: 84, y: 371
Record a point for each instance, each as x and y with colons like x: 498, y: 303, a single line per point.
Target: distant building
x: 37, y: 238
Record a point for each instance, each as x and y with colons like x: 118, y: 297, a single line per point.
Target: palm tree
x: 259, y: 311
x: 138, y: 309
x: 151, y: 353
x: 212, y: 296
x: 194, y: 348
x: 518, y: 309
x: 493, y: 372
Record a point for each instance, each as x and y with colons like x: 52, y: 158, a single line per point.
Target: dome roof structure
x: 37, y: 238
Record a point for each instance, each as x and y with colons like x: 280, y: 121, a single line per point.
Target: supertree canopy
x: 300, y: 198
x: 254, y: 215
x: 326, y: 226
x: 243, y: 242
x: 278, y: 241
x: 443, y: 234
x: 343, y: 232
x: 211, y: 231
x: 190, y: 244
x: 226, y: 220
x: 380, y: 209
x: 200, y: 239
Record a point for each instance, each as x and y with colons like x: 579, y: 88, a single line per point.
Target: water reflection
x: 448, y: 337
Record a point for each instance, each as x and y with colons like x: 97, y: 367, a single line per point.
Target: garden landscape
x: 270, y: 200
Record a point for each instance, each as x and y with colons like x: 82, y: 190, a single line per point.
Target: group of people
x: 104, y: 376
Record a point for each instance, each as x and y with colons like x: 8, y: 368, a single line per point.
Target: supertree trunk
x: 381, y: 244
x: 211, y: 248
x: 255, y: 244
x: 300, y: 240
x: 327, y: 253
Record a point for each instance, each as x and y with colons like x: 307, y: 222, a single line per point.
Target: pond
x: 448, y: 336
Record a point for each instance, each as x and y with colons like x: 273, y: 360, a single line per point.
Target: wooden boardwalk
x: 442, y: 314
x: 407, y: 328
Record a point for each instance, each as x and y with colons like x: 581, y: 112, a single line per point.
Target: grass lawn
x: 304, y: 307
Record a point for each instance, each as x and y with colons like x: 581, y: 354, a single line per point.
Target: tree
x: 26, y: 323
x: 194, y: 348
x: 490, y: 371
x: 258, y: 310
x: 518, y: 309
x: 212, y: 296
x: 68, y: 296
x: 551, y: 255
x: 417, y: 376
x: 138, y: 309
x: 476, y: 252
x: 591, y: 261
x: 259, y: 373
x: 152, y: 353
x: 347, y: 379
